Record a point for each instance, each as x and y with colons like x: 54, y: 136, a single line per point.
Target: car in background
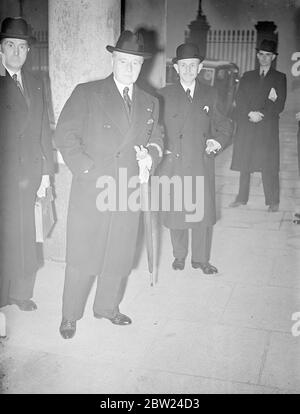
x: 221, y: 74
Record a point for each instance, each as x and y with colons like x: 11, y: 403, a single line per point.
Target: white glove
x: 45, y: 183
x: 145, y: 163
x: 212, y: 146
x: 255, y: 116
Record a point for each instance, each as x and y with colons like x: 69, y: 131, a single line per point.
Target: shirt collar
x: 265, y: 70
x: 19, y: 77
x: 191, y: 88
x: 121, y: 87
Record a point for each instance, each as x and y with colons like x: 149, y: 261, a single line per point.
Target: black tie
x: 127, y: 99
x: 188, y: 94
x: 15, y: 78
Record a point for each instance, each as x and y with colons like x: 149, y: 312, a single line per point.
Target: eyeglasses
x: 22, y: 48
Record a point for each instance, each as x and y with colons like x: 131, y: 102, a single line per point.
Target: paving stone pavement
x: 191, y: 333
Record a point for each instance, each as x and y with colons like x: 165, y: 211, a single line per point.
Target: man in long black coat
x: 97, y: 131
x: 260, y: 99
x: 195, y: 128
x: 26, y: 160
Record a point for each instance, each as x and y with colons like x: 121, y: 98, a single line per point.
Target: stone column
x: 78, y: 34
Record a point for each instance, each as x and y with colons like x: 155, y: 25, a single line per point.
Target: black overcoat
x: 94, y: 133
x: 187, y: 128
x: 256, y: 145
x: 25, y: 154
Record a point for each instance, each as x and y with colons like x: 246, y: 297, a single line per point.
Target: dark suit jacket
x: 25, y: 153
x: 256, y: 145
x: 94, y: 133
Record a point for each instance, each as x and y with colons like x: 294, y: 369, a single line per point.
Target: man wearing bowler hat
x: 26, y: 160
x: 260, y: 99
x: 97, y: 132
x: 196, y: 130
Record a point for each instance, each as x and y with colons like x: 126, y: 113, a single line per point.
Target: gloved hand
x: 145, y: 163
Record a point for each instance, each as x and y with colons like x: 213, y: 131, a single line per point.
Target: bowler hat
x: 17, y: 28
x: 187, y: 51
x: 131, y: 43
x: 268, y: 46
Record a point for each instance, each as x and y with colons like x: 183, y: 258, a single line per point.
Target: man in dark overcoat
x: 97, y: 131
x: 26, y: 160
x: 195, y: 129
x: 260, y: 99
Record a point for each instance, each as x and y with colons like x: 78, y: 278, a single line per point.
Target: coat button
x: 118, y: 154
x: 177, y: 155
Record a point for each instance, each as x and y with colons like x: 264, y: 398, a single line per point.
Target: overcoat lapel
x: 113, y: 106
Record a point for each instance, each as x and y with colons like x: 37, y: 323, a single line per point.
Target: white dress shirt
x: 191, y: 88
x: 121, y: 87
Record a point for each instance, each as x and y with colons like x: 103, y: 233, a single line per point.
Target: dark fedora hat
x: 268, y: 46
x: 17, y: 28
x: 131, y: 43
x: 187, y: 51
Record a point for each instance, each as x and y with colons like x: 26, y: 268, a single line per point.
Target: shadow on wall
x: 151, y: 45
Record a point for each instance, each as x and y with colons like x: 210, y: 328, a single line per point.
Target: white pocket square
x: 206, y: 108
x: 272, y: 95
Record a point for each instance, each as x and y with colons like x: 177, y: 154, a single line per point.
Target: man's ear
x: 273, y: 57
x: 176, y: 67
x: 200, y: 66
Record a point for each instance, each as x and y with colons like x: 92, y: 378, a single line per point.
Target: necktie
x: 127, y: 99
x: 15, y: 78
x: 188, y: 94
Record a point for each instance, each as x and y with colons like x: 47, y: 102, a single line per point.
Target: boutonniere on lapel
x: 150, y: 121
x: 206, y: 108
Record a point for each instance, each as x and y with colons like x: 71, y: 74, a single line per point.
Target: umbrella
x: 144, y: 167
x: 148, y: 227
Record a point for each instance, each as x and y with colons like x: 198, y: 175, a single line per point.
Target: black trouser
x: 109, y: 293
x: 270, y: 185
x: 201, y: 243
x: 22, y: 288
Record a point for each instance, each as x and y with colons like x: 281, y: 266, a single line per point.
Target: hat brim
x: 130, y: 52
x: 30, y: 39
x: 175, y: 59
x: 269, y: 51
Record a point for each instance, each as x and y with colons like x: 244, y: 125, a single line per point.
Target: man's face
x: 14, y: 53
x: 265, y: 58
x: 188, y: 70
x: 126, y: 67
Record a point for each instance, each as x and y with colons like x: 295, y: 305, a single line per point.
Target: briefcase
x: 44, y: 217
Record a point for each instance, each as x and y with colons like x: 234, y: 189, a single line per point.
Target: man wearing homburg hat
x: 98, y: 130
x: 196, y: 130
x: 260, y: 99
x: 26, y: 160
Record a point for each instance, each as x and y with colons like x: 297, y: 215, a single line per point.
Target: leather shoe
x: 178, y: 264
x: 67, y: 328
x: 236, y: 204
x: 118, y: 319
x: 206, y: 268
x: 273, y: 208
x: 26, y: 305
